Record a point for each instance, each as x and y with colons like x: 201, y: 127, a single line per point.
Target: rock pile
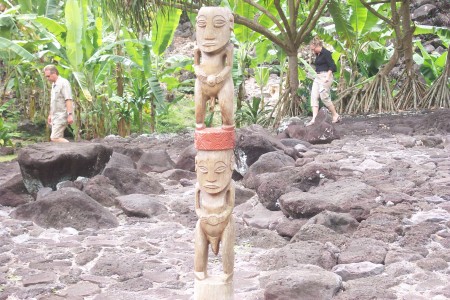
x: 366, y: 216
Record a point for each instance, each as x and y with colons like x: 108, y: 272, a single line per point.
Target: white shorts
x: 321, y: 89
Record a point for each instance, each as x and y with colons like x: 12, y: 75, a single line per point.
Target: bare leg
x: 228, y: 239
x: 314, y: 100
x: 334, y: 114
x: 315, y: 111
x: 201, y: 253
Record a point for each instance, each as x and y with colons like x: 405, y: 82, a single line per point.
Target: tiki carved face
x: 214, y: 170
x: 214, y: 26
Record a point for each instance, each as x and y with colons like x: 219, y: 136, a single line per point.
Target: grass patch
x: 7, y: 158
x: 180, y: 116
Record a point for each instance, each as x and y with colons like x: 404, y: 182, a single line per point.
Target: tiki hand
x: 211, y: 80
x: 199, y: 73
x: 219, y: 78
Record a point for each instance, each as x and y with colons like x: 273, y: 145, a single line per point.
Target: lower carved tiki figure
x: 214, y: 203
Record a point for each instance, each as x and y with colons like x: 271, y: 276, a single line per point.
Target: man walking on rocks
x: 61, y: 107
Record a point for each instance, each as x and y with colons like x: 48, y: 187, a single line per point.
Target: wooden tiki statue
x: 213, y: 63
x: 214, y: 163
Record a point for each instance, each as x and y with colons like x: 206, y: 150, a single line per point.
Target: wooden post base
x: 213, y: 288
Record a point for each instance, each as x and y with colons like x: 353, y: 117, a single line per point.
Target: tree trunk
x: 240, y: 99
x: 408, y: 31
x: 122, y: 127
x: 152, y: 115
x: 294, y: 107
x: 140, y: 119
x: 119, y: 73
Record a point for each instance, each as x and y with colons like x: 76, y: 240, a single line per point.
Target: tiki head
x: 214, y: 170
x: 214, y: 26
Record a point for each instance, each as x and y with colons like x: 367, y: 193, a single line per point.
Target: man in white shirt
x: 61, y: 106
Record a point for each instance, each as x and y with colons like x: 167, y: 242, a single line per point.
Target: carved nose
x: 211, y: 177
x: 209, y: 33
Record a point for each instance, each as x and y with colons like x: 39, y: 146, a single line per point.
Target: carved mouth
x: 211, y: 186
x: 209, y: 44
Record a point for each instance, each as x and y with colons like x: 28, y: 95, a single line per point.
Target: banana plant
x: 360, y: 42
x: 21, y: 69
x: 253, y: 112
x: 262, y: 78
x: 5, y: 136
x: 48, y: 8
x: 431, y: 65
x: 145, y: 67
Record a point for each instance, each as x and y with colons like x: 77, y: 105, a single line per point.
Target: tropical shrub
x: 5, y: 136
x: 253, y: 112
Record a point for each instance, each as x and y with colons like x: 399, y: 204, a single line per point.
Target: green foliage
x: 209, y: 118
x: 177, y: 118
x: 6, y: 44
x: 442, y: 32
x: 361, y: 39
x: 371, y: 58
x: 7, y: 158
x: 431, y: 65
x: 5, y: 136
x: 164, y: 29
x: 75, y: 30
x: 262, y: 78
x: 253, y: 112
x: 339, y: 11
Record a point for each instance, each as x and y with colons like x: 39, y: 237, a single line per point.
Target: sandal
x: 338, y: 119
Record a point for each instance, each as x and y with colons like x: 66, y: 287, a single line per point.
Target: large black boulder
x: 67, y: 207
x: 321, y: 132
x: 130, y: 181
x: 47, y: 164
x: 13, y: 192
x: 254, y: 141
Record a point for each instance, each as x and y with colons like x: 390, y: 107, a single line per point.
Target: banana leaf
x: 25, y: 5
x: 339, y: 11
x: 133, y: 47
x: 83, y: 84
x: 157, y: 92
x: 243, y: 33
x: 442, y: 32
x: 74, y: 34
x: 358, y: 16
x: 163, y: 30
x: 8, y: 45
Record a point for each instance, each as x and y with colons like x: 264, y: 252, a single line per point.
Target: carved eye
x: 220, y: 169
x: 201, y: 21
x: 219, y: 22
x: 203, y: 169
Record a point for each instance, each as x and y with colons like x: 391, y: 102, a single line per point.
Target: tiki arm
x: 228, y: 64
x: 201, y: 75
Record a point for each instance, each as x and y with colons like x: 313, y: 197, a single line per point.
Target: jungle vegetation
x: 114, y: 52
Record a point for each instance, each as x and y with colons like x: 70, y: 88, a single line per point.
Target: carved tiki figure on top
x: 213, y: 62
x: 214, y: 203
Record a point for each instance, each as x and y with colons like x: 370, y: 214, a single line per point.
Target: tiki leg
x: 228, y: 239
x: 201, y: 253
x: 226, y: 103
x: 200, y: 106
